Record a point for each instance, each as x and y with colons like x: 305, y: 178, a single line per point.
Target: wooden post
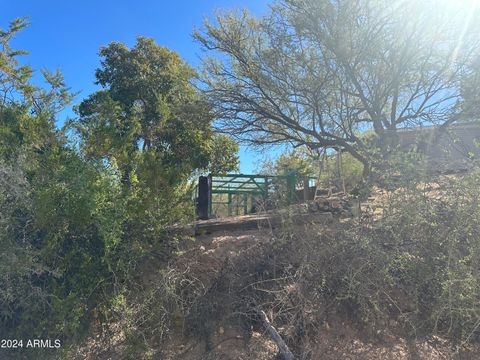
x: 237, y: 205
x: 337, y: 165
x: 306, y: 188
x: 265, y: 197
x: 210, y: 196
x: 342, y: 174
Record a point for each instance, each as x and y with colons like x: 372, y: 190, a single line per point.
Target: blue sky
x: 68, y: 34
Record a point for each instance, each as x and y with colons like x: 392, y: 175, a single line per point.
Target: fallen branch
x: 283, y: 349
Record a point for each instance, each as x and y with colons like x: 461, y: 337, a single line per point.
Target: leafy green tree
x: 51, y: 257
x: 149, y: 112
x: 297, y: 161
x: 13, y: 77
x: 27, y: 111
x: 224, y: 155
x: 152, y: 129
x: 300, y: 163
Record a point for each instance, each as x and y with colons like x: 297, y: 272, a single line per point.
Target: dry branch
x: 283, y: 349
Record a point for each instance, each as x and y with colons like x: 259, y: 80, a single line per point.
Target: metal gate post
x: 203, y: 198
x: 291, y: 182
x: 229, y: 205
x: 210, y: 197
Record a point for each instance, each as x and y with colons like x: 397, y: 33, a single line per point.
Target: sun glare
x: 471, y: 7
x: 466, y: 3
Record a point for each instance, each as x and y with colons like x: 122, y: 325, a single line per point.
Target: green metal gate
x: 240, y: 194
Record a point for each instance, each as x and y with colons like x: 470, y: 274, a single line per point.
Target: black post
x: 203, y: 198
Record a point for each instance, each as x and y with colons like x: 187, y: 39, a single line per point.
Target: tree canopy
x: 317, y: 73
x: 149, y: 110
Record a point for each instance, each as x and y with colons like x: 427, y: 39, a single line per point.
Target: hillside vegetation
x: 397, y: 286
x: 97, y: 246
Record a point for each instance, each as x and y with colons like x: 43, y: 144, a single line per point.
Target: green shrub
x: 417, y: 264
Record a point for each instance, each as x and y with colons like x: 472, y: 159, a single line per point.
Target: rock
x: 312, y: 206
x: 335, y: 204
x: 303, y: 208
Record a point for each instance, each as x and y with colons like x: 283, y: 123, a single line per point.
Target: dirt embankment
x: 230, y: 275
x: 230, y: 331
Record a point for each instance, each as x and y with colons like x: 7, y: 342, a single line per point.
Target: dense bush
x: 80, y: 211
x: 18, y: 255
x: 417, y: 263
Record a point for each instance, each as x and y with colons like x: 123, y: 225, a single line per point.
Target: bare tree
x: 471, y: 91
x: 318, y: 73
